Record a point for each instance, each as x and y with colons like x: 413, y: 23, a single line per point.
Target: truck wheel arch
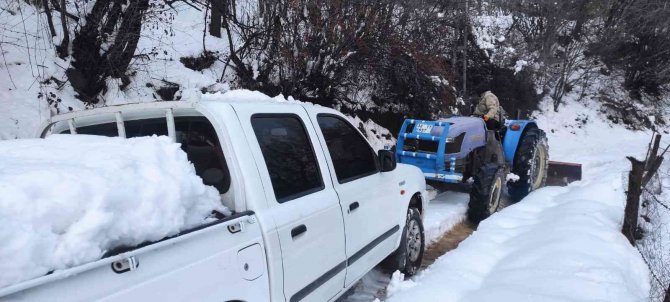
x: 417, y: 202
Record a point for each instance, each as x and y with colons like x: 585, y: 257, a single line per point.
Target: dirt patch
x: 447, y: 242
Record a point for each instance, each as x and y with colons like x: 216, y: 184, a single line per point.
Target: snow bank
x: 559, y: 243
x: 379, y: 137
x: 67, y: 199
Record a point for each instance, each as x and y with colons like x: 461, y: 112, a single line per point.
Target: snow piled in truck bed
x: 67, y: 199
x: 559, y: 243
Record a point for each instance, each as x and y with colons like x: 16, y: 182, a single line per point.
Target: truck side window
x: 109, y: 130
x: 196, y: 136
x: 352, y: 156
x: 288, y: 154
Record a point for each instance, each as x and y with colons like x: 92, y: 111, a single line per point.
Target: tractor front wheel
x: 530, y: 164
x: 485, y: 193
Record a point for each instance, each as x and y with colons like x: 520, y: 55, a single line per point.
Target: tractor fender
x: 513, y: 137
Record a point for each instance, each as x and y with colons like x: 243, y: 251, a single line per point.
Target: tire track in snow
x: 447, y: 242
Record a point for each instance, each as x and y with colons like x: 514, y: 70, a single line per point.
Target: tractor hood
x: 465, y: 134
x: 461, y: 124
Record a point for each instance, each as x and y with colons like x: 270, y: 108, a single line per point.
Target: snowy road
x: 557, y: 244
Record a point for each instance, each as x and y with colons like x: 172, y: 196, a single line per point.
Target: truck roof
x: 170, y: 105
x: 147, y: 109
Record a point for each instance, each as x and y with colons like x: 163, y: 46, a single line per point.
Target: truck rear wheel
x: 485, y: 193
x: 408, y: 256
x: 530, y: 164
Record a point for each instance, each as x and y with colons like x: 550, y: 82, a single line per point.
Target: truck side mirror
x: 386, y: 160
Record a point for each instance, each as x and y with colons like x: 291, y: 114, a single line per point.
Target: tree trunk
x: 121, y: 52
x: 667, y: 294
x: 629, y: 228
x: 113, y: 17
x: 63, y: 49
x: 50, y: 21
x: 215, y: 21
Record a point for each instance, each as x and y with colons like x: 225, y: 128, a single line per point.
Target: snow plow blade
x: 561, y: 174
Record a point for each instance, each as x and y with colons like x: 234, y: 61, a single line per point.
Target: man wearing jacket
x: 489, y: 109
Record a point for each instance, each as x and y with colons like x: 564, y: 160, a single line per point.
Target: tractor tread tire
x: 532, y: 139
x: 478, y: 207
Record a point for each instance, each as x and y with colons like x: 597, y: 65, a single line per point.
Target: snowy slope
x: 30, y: 70
x: 29, y: 65
x: 64, y: 202
x: 558, y: 244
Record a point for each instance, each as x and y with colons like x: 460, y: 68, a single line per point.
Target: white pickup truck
x: 314, y: 208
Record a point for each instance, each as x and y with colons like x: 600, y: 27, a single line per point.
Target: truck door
x: 301, y: 200
x: 370, y: 200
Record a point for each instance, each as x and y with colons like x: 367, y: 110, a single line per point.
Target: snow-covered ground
x: 559, y: 243
x: 442, y: 213
x: 64, y: 202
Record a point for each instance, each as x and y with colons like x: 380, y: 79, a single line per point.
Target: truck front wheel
x: 407, y: 258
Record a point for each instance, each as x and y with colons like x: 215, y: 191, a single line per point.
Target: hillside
x: 381, y: 62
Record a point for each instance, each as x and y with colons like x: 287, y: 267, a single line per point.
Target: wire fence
x: 654, y: 245
x: 647, y: 217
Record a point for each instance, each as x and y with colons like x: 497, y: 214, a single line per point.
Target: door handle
x: 298, y: 230
x: 125, y: 265
x: 353, y: 206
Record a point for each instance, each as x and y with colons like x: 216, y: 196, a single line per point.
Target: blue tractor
x: 461, y: 150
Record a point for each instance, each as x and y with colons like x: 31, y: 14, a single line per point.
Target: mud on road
x: 447, y: 242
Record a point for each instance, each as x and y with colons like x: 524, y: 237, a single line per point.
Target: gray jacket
x: 489, y: 105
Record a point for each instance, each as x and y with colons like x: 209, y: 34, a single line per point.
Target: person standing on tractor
x: 489, y: 109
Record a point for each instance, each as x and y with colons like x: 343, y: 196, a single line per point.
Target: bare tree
x: 121, y: 23
x: 63, y: 48
x: 47, y: 10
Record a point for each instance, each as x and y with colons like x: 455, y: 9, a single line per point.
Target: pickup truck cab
x: 314, y: 208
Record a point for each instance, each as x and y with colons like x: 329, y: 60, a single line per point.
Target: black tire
x: 486, y: 192
x: 408, y: 256
x: 530, y: 164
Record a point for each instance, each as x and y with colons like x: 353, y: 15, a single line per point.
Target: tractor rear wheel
x: 530, y: 164
x: 485, y: 193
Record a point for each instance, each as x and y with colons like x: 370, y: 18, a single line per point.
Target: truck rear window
x: 196, y: 136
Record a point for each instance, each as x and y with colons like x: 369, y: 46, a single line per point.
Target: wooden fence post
x: 629, y: 228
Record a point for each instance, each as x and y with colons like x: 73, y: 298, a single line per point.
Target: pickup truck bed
x: 214, y: 254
